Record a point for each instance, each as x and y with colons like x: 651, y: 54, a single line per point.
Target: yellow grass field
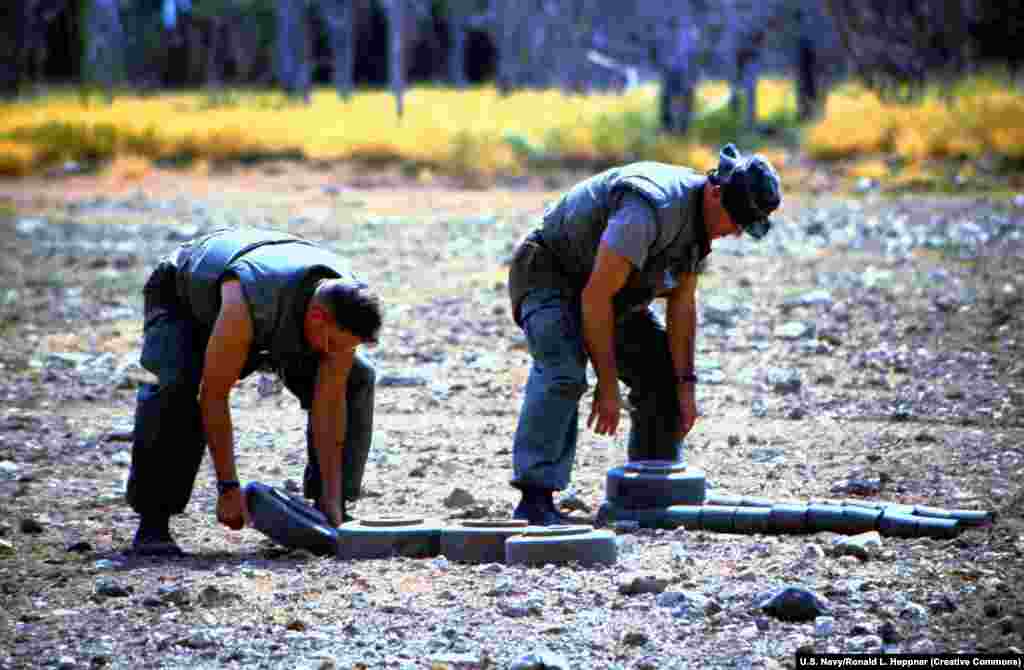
x: 477, y: 132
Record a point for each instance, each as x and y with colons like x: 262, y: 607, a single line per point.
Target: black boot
x: 563, y: 519
x: 345, y: 516
x: 536, y: 507
x: 153, y: 538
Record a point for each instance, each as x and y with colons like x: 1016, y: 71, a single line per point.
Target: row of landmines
x: 647, y: 494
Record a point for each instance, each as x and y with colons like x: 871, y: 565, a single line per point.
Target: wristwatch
x: 225, y: 485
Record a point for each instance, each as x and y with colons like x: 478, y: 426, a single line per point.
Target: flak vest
x: 578, y: 219
x: 278, y: 273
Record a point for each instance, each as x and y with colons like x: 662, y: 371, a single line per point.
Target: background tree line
x: 579, y: 45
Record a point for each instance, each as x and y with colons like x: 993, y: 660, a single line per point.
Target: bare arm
x: 611, y: 271
x: 226, y: 354
x: 329, y: 419
x: 681, y: 310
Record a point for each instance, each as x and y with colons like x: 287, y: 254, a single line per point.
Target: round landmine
x: 669, y: 518
x: 822, y: 517
x: 387, y: 536
x: 942, y: 529
x: 479, y: 540
x: 788, y: 518
x: 717, y: 518
x: 654, y: 484
x: 966, y: 517
x: 898, y: 524
x: 754, y: 519
x: 538, y: 545
x: 288, y: 520
x: 858, y: 520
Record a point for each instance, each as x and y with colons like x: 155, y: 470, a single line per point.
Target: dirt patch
x: 910, y: 376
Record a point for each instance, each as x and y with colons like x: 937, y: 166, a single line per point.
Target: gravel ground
x: 870, y: 348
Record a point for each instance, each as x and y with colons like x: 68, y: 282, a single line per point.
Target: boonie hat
x: 751, y: 189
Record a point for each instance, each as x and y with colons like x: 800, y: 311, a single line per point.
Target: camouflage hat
x: 751, y: 190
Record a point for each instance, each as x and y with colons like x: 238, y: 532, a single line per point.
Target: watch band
x: 225, y: 485
x: 688, y: 378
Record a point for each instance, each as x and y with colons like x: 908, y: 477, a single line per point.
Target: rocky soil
x: 870, y: 348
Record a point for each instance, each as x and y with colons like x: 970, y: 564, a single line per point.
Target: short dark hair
x: 353, y: 306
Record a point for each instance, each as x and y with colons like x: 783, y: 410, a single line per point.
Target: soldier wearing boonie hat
x: 752, y: 189
x: 581, y: 287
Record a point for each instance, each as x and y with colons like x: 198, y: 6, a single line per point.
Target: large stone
x: 459, y: 498
x: 863, y: 546
x: 540, y: 660
x: 642, y: 582
x: 795, y: 603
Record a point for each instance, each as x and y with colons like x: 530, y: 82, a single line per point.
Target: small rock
x: 292, y: 486
x: 889, y: 632
x: 459, y: 498
x: 395, y: 380
x: 458, y: 662
x: 816, y: 298
x: 643, y: 582
x: 922, y: 646
x: 109, y: 587
x: 860, y: 486
x: 571, y: 502
x: 6, y: 548
x: 942, y: 604
x: 81, y: 547
x: 915, y: 614
x: 794, y: 330
x: 30, y: 526
x: 66, y: 663
x: 720, y: 311
x: 1009, y: 625
x: 865, y: 643
x: 784, y: 380
x: 795, y: 603
x: 122, y: 458
x: 198, y: 640
x: 8, y: 470
x: 174, y: 595
x: 518, y: 609
x: 297, y: 625
x: 648, y: 663
x: 863, y: 546
x: 211, y: 596
x: 635, y: 638
x: 824, y: 626
x: 813, y: 552
x: 540, y: 660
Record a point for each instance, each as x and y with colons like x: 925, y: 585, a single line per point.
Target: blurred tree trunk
x: 13, y: 26
x: 458, y: 12
x: 339, y: 16
x: 678, y: 75
x: 396, y: 65
x: 104, y: 51
x: 806, y: 77
x: 293, y: 70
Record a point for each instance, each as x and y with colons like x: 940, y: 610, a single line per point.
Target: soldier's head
x: 342, y: 315
x: 750, y: 190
